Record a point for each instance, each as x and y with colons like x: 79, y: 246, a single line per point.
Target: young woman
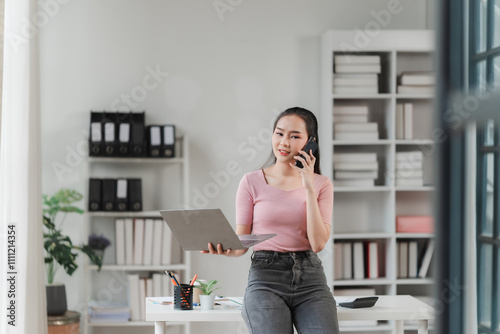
x: 286, y: 281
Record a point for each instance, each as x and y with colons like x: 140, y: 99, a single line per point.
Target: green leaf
x: 92, y: 256
x: 48, y: 224
x: 68, y: 196
x: 70, y: 209
x: 207, y: 288
x: 59, y: 248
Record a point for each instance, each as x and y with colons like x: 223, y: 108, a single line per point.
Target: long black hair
x: 311, y: 128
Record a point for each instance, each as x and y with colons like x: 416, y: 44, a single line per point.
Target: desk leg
x: 423, y: 327
x: 160, y: 327
x: 399, y: 327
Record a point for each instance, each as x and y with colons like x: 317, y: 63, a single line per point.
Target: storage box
x: 414, y: 224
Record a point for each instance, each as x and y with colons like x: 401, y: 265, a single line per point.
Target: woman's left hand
x: 307, y: 171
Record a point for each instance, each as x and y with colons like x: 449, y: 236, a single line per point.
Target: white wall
x: 227, y: 76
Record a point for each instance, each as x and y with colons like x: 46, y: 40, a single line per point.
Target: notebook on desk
x: 194, y: 229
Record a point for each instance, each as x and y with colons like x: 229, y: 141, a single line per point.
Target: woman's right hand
x: 220, y: 251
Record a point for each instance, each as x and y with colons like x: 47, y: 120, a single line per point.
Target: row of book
x: 416, y: 83
x: 404, y: 120
x: 356, y: 260
x: 414, y: 258
x: 351, y: 123
x: 115, y: 194
x: 108, y: 311
x: 355, y: 169
x: 409, y: 168
x: 356, y: 74
x: 145, y: 241
x: 124, y: 134
x: 360, y: 259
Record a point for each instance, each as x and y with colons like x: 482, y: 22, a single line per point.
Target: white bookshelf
x: 165, y: 185
x: 369, y: 213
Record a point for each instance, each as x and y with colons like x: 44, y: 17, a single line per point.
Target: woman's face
x: 290, y: 135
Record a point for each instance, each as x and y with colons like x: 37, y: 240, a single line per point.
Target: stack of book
x: 356, y: 74
x: 414, y: 258
x: 356, y: 260
x: 350, y: 122
x: 355, y: 169
x: 404, y: 121
x: 409, y: 170
x: 108, y: 311
x: 416, y: 83
x: 145, y: 241
x: 139, y: 288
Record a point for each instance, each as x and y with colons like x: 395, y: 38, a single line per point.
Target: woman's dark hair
x: 311, y: 128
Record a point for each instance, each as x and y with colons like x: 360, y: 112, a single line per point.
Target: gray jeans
x: 286, y: 289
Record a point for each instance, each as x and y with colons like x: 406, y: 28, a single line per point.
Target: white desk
x: 397, y: 308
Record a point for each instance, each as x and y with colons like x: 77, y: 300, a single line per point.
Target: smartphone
x: 310, y: 145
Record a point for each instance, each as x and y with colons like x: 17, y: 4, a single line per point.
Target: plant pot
x: 56, y: 299
x: 207, y: 302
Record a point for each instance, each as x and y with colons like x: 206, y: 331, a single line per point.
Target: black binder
x: 124, y: 133
x: 138, y: 143
x: 110, y: 134
x: 96, y: 137
x: 135, y: 194
x: 168, y: 142
x: 109, y: 194
x: 121, y: 195
x: 155, y: 140
x: 95, y: 186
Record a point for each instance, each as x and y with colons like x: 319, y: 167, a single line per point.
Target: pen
x: 174, y: 280
x: 193, y: 280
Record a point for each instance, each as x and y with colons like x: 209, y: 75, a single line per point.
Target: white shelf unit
x: 369, y: 213
x: 165, y: 185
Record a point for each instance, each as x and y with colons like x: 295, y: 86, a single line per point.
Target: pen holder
x: 183, y: 297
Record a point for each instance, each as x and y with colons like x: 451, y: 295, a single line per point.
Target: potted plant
x: 207, y: 298
x: 98, y: 243
x: 59, y: 250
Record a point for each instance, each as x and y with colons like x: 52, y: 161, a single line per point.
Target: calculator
x: 360, y: 302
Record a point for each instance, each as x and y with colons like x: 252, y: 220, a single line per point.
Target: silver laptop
x: 194, y: 229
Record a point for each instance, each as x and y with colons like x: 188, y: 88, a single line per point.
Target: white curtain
x: 2, y: 3
x: 470, y: 230
x: 20, y: 194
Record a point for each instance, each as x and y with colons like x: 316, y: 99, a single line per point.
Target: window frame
x: 484, y: 239
x: 490, y: 52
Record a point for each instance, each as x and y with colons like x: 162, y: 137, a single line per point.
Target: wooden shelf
x: 165, y: 185
x: 414, y: 281
x: 130, y: 324
x: 361, y: 189
x: 361, y: 142
x: 362, y: 210
x: 127, y: 214
x: 363, y: 235
x: 109, y: 267
x: 362, y: 96
x: 414, y: 235
x: 363, y: 282
x: 135, y: 160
